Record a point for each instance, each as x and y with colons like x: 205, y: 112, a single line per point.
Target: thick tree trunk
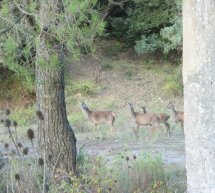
x: 56, y: 137
x: 199, y: 91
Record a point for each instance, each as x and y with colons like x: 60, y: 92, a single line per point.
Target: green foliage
x: 112, y: 48
x: 173, y: 82
x: 24, y: 116
x: 107, y: 66
x: 149, y: 25
x: 172, y: 36
x: 70, y: 28
x: 149, y: 44
x: 84, y: 88
x: 127, y: 173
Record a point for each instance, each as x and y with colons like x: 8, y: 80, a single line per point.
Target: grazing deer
x: 163, y: 118
x: 99, y: 117
x: 178, y: 115
x: 147, y: 119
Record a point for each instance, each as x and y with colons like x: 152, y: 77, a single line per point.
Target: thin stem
x: 13, y: 140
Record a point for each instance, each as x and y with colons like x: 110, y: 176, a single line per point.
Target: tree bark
x: 199, y: 93
x: 56, y: 137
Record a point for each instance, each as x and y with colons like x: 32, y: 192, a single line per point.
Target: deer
x: 99, y: 117
x: 146, y: 119
x: 178, y: 115
x: 163, y: 118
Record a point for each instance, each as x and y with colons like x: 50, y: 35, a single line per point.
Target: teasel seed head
x: 40, y: 162
x: 127, y: 158
x: 19, y: 145
x: 15, y: 124
x: 7, y: 111
x: 25, y: 151
x: 7, y: 123
x: 6, y: 145
x: 30, y: 134
x: 40, y: 115
x: 17, y: 177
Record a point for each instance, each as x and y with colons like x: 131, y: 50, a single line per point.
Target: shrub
x: 149, y: 44
x: 112, y: 48
x: 83, y: 88
x: 107, y: 66
x: 24, y: 116
x: 173, y: 82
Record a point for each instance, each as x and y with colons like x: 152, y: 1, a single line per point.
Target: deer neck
x: 86, y: 112
x: 173, y: 109
x: 132, y: 112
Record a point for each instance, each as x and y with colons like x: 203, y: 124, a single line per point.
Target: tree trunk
x: 199, y: 93
x: 56, y: 137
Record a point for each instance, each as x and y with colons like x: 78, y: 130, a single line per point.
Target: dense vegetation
x: 150, y: 27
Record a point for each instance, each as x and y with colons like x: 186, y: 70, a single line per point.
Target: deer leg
x: 152, y: 129
x: 182, y: 126
x: 97, y: 130
x: 137, y: 131
x: 112, y: 125
x: 167, y: 127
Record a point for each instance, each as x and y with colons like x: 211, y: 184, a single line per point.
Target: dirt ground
x: 171, y: 149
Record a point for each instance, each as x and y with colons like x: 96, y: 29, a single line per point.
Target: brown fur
x: 163, y: 118
x: 147, y: 119
x: 99, y: 117
x: 178, y: 115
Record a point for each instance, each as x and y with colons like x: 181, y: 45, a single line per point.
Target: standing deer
x: 99, y: 117
x: 178, y: 115
x: 147, y: 119
x: 163, y: 118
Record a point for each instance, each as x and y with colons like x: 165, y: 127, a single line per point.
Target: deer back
x: 101, y: 117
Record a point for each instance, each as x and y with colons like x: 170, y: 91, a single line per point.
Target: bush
x: 141, y: 17
x: 112, y: 48
x: 173, y: 82
x: 149, y: 44
x: 149, y: 25
x: 24, y: 116
x: 172, y: 35
x: 83, y: 88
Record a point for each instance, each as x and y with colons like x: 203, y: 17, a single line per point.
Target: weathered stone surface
x: 199, y: 93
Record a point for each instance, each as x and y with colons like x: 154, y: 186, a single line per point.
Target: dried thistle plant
x: 41, y: 162
x: 7, y: 112
x: 8, y: 125
x: 15, y: 124
x: 40, y: 115
x: 6, y: 145
x: 25, y: 151
x: 19, y: 145
x: 17, y: 177
x: 30, y: 134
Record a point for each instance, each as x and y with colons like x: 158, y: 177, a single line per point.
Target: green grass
x: 84, y: 88
x: 24, y: 116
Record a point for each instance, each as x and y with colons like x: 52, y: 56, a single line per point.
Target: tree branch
x: 10, y: 27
